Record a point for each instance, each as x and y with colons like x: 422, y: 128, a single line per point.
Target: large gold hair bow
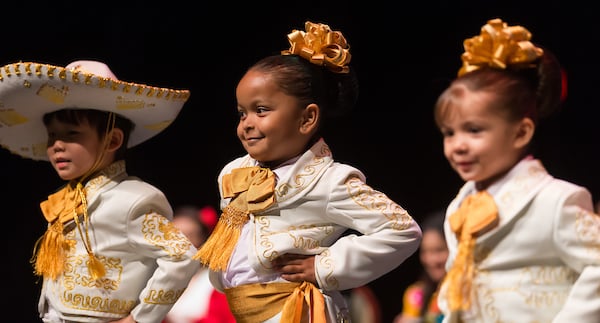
x: 499, y: 46
x: 321, y: 46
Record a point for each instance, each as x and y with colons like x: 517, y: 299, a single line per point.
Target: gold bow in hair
x: 321, y: 46
x: 476, y: 215
x: 499, y: 46
x: 251, y: 190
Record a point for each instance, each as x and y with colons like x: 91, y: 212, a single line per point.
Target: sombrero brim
x: 29, y: 90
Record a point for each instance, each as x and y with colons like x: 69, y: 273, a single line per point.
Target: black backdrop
x: 404, y: 56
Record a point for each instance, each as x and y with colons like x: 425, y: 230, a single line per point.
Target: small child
x: 201, y: 302
x: 280, y: 251
x: 419, y: 299
x: 110, y: 252
x: 524, y: 246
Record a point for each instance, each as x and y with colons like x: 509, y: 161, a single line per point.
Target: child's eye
x: 241, y: 114
x: 447, y: 132
x: 474, y: 129
x: 261, y: 110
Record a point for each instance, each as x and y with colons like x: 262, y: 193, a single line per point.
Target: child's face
x: 480, y: 144
x: 72, y: 149
x: 433, y: 254
x: 190, y: 229
x: 270, y: 126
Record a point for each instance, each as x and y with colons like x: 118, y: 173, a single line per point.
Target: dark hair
x: 97, y: 119
x: 525, y: 92
x: 434, y: 221
x: 335, y: 93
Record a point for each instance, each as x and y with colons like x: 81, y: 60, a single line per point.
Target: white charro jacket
x: 542, y: 262
x: 316, y: 201
x: 148, y: 262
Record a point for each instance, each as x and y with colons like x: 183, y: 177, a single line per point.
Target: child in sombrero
x: 110, y: 253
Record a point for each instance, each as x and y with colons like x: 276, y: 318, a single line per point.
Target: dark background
x: 404, y: 56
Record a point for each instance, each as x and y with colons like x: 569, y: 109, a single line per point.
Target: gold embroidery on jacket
x: 327, y: 262
x: 365, y: 196
x: 96, y: 303
x: 525, y: 288
x: 76, y: 274
x: 305, y: 242
x: 299, y: 181
x: 162, y: 233
x: 162, y: 296
x: 588, y: 231
x: 268, y: 253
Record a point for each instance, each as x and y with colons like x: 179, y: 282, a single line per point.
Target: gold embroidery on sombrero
x: 476, y: 215
x: 251, y: 190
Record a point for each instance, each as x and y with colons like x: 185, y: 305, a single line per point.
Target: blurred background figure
x: 364, y: 305
x: 200, y: 303
x: 419, y: 301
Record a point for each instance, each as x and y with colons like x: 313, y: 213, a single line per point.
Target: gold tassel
x: 95, y: 267
x: 217, y: 250
x: 50, y: 252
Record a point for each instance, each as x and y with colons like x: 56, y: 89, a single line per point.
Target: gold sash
x: 254, y: 303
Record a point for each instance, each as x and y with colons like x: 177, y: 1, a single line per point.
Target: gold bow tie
x: 50, y: 252
x: 252, y: 190
x: 476, y: 215
x: 62, y: 205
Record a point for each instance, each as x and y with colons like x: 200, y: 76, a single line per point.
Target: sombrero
x: 28, y: 90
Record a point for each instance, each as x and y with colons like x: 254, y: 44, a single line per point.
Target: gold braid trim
x: 95, y: 267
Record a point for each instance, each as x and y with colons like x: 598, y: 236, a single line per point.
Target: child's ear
x: 310, y: 118
x: 525, y: 131
x: 116, y: 140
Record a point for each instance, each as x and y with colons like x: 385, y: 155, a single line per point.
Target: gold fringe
x: 50, y: 252
x: 217, y: 250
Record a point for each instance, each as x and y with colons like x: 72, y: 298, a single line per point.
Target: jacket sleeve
x: 577, y: 239
x: 152, y: 234
x: 387, y: 234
